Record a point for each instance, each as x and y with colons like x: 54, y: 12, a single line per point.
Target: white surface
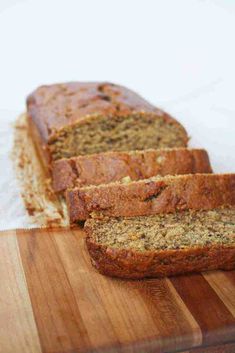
x: 178, y: 54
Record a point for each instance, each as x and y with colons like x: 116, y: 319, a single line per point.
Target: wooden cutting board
x: 53, y: 301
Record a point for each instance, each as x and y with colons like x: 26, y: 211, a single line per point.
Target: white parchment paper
x: 12, y: 210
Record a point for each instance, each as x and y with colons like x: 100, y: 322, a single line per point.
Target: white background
x: 179, y: 54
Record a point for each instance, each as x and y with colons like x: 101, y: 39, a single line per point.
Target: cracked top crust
x: 56, y: 106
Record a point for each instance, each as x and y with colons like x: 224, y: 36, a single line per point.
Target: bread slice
x: 80, y: 118
x: 107, y: 167
x: 151, y: 196
x: 164, y: 244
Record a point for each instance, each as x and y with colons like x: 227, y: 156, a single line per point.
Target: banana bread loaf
x: 80, y: 118
x: 164, y: 244
x: 107, y: 167
x: 151, y: 196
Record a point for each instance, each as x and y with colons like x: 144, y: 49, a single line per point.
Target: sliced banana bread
x: 163, y: 244
x: 107, y: 167
x: 151, y: 196
x: 80, y: 118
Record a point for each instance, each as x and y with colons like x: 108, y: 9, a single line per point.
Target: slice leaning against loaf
x: 151, y: 196
x: 80, y: 118
x: 164, y: 244
x: 108, y: 167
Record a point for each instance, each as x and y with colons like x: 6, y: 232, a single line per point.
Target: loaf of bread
x: 151, y: 196
x: 108, y: 167
x: 124, y: 162
x: 164, y: 244
x: 73, y: 119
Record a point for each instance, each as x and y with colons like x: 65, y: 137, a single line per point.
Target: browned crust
x: 126, y: 263
x: 57, y: 106
x: 148, y: 197
x: 107, y: 167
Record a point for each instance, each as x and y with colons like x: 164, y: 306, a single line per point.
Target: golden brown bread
x: 135, y: 265
x: 151, y: 196
x: 163, y: 245
x: 79, y: 118
x: 54, y: 107
x: 107, y: 167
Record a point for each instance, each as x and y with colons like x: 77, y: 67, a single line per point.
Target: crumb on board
x: 44, y: 208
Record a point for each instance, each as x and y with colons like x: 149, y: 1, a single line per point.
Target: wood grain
x: 225, y: 348
x: 215, y: 320
x: 18, y: 332
x: 224, y: 291
x: 54, y: 301
x: 57, y: 315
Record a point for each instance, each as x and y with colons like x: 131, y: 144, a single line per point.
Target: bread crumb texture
x: 180, y: 230
x: 101, y: 133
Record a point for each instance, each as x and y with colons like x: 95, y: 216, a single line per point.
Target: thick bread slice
x: 108, y: 167
x: 151, y: 196
x: 163, y: 245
